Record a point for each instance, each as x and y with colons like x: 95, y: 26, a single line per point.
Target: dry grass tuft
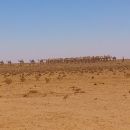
x: 92, y: 77
x: 98, y: 73
x: 66, y: 96
x: 47, y: 80
x: 6, y: 75
x: 60, y: 77
x: 37, y: 77
x: 33, y: 91
x: 114, y: 73
x: 111, y: 69
x: 127, y: 75
x: 22, y: 78
x: 8, y: 81
x: 30, y: 93
x: 77, y: 90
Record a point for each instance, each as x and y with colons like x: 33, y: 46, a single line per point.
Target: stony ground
x: 80, y: 98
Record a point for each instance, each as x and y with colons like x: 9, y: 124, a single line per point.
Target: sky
x: 33, y: 29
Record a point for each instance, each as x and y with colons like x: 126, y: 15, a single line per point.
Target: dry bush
x: 66, y: 96
x: 8, y: 81
x: 92, y: 77
x: 51, y: 73
x: 100, y: 70
x: 6, y: 75
x: 77, y: 90
x: 64, y: 75
x: 81, y: 71
x: 114, y: 73
x: 127, y: 75
x: 60, y: 77
x: 37, y: 77
x: 30, y: 92
x: 111, y: 69
x: 98, y: 73
x: 47, y: 80
x: 25, y: 95
x: 33, y: 91
x: 28, y: 74
x: 13, y: 74
x: 22, y: 78
x: 91, y: 71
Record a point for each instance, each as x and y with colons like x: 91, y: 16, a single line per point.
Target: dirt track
x: 65, y: 97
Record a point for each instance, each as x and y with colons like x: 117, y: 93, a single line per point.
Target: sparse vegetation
x: 95, y: 84
x: 37, y: 76
x: 8, y: 81
x: 33, y: 91
x: 22, y: 78
x: 47, y: 80
x: 92, y: 77
x: 127, y: 75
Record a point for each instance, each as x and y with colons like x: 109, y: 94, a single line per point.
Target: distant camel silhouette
x: 21, y: 61
x: 9, y: 62
x: 41, y: 61
x: 1, y: 62
x: 32, y: 61
x: 114, y: 58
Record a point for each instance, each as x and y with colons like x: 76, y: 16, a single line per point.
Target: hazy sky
x: 64, y: 28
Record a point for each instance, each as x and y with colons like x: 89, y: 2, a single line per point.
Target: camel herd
x: 87, y: 59
x: 82, y: 59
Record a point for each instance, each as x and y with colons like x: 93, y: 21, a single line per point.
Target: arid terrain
x: 91, y: 96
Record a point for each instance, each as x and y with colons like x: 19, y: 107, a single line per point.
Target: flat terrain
x: 92, y: 96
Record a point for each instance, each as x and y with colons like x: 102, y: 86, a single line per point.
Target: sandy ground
x: 66, y: 100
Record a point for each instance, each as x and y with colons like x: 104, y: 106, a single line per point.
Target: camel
x: 123, y: 59
x: 9, y: 62
x: 114, y: 58
x: 32, y: 61
x: 41, y: 61
x: 21, y: 61
x: 1, y: 62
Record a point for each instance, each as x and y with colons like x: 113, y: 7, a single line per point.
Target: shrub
x: 8, y: 81
x: 47, y: 80
x: 37, y: 77
x: 92, y: 77
x: 22, y: 78
x: 127, y: 75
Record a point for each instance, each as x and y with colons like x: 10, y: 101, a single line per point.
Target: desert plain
x: 91, y: 96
